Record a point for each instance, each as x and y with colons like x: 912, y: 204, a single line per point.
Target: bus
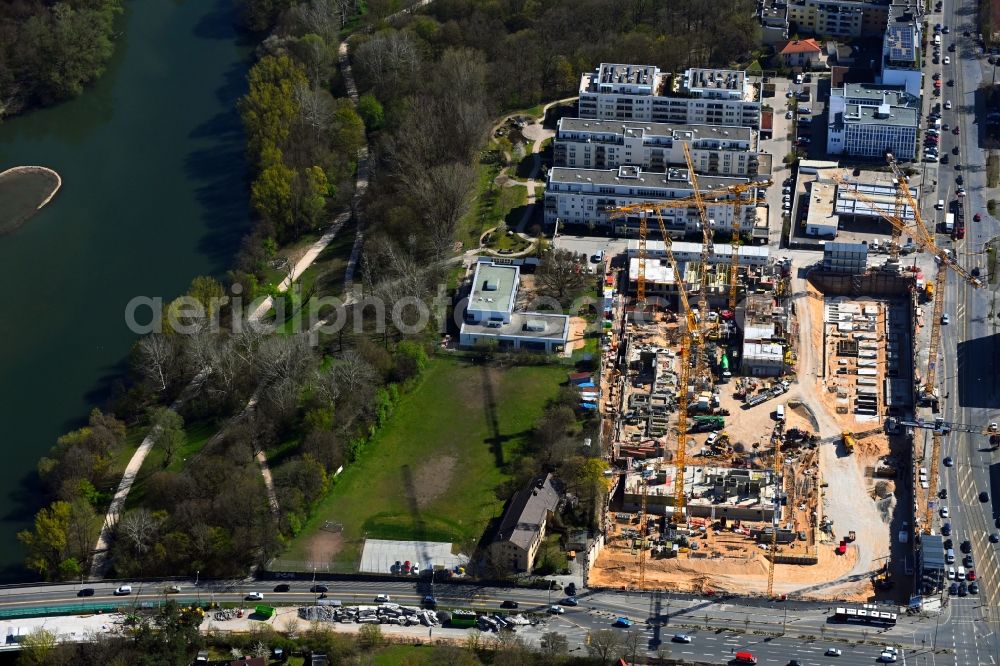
x: 865, y: 614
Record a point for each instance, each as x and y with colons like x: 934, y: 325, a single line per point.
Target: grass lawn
x: 430, y: 473
x: 392, y: 655
x: 993, y: 169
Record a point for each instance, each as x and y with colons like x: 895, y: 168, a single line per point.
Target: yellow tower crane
x: 925, y: 240
x: 690, y: 339
x: 776, y: 436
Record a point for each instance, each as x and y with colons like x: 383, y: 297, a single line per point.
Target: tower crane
x: 690, y: 339
x: 925, y: 241
x: 776, y: 436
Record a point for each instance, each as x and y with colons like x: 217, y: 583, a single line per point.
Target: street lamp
x: 197, y: 578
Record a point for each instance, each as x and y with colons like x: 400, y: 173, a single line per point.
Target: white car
x: 123, y: 590
x: 888, y: 657
x: 557, y: 610
x: 382, y: 598
x: 947, y: 104
x: 951, y: 573
x: 945, y: 513
x: 788, y: 115
x: 833, y: 652
x: 947, y: 60
x: 255, y: 596
x: 786, y: 205
x: 712, y: 439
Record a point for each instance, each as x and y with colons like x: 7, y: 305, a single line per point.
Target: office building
x: 867, y: 121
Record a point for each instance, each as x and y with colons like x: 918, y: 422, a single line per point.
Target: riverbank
x: 25, y: 190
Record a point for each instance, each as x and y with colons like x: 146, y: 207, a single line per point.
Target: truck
x: 949, y: 223
x: 929, y: 291
x: 849, y: 441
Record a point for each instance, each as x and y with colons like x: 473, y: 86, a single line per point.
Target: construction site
x: 745, y: 413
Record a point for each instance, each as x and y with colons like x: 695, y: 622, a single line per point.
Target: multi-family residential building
x: 901, y: 50
x: 867, y: 120
x: 838, y: 18
x: 491, y: 316
x: 801, y: 53
x: 585, y: 196
x: 773, y: 15
x: 608, y: 144
x: 522, y: 528
x: 644, y: 93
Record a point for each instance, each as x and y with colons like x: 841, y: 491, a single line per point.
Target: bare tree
x: 386, y: 58
x: 155, y: 355
x: 605, y: 645
x: 554, y: 646
x: 560, y: 275
x: 315, y: 109
x: 140, y: 527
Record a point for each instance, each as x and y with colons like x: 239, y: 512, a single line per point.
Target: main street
x: 719, y: 626
x: 970, y: 624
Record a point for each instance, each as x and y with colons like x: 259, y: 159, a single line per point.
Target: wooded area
x: 50, y: 50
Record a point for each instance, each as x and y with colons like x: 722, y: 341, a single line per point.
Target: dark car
x: 948, y: 544
x: 958, y: 181
x: 948, y: 462
x: 984, y: 497
x: 944, y: 159
x: 976, y: 271
x: 966, y: 546
x: 319, y: 588
x: 570, y: 601
x: 953, y: 589
x: 943, y: 493
x: 86, y: 592
x: 282, y: 587
x: 977, y: 217
x: 946, y: 529
x: 963, y: 590
x: 430, y: 602
x: 507, y: 603
x: 794, y: 662
x: 995, y: 538
x: 973, y: 588
x: 968, y: 561
x: 955, y: 151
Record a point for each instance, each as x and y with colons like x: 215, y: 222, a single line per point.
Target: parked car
x: 947, y: 60
x: 944, y: 512
x: 953, y: 589
x: 966, y: 546
x: 977, y: 217
x: 994, y: 538
x: 947, y: 104
x: 973, y: 588
x: 984, y: 497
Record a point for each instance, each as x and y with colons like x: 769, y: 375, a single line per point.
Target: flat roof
x: 493, y: 287
x: 715, y: 79
x: 884, y: 114
x: 722, y: 250
x: 821, y: 196
x: 639, y: 75
x: 644, y: 179
x: 763, y: 351
x: 721, y: 132
x: 535, y: 325
x: 876, y: 186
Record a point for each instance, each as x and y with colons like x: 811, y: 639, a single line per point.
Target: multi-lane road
x: 970, y: 624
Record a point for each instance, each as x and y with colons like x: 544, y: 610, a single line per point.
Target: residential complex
x: 837, y: 18
x: 867, y: 121
x: 644, y: 93
x: 608, y: 144
x: 522, y: 528
x: 901, y: 51
x: 586, y: 196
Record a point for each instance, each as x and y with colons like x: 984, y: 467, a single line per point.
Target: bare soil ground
x: 745, y: 574
x: 432, y: 479
x: 323, y: 547
x: 577, y: 329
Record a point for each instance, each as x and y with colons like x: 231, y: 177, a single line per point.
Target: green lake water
x: 154, y: 193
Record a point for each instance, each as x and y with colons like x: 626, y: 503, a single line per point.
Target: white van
x: 940, y: 204
x: 780, y: 412
x: 961, y: 574
x: 949, y: 556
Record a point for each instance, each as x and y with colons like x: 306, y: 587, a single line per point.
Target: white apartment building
x: 585, y: 197
x: 837, y: 18
x: 643, y: 93
x: 583, y: 143
x: 867, y: 121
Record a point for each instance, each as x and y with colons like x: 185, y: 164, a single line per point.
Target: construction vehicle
x: 851, y: 536
x: 946, y: 261
x: 849, y: 441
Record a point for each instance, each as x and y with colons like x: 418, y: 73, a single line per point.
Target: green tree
x: 370, y: 637
x: 271, y: 196
x: 261, y: 15
x: 371, y: 112
x: 37, y: 647
x: 348, y: 133
x: 269, y: 107
x: 209, y: 292
x: 309, y: 189
x: 167, y: 432
x: 46, y: 546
